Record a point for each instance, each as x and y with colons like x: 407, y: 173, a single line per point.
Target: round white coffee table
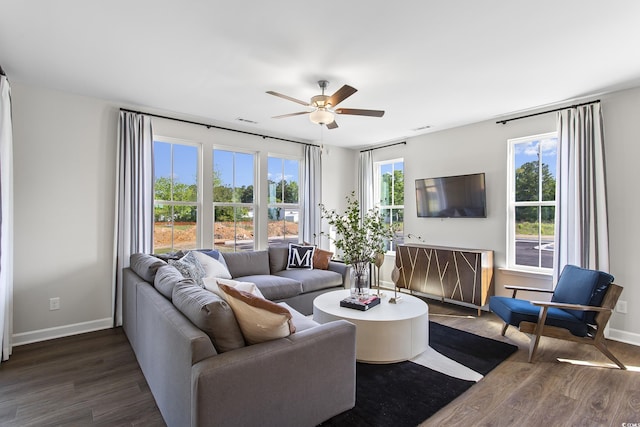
x: 385, y: 333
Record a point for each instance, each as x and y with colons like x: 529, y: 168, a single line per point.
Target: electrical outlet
x: 54, y: 303
x: 621, y: 307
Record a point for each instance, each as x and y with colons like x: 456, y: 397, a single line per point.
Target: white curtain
x: 134, y: 197
x: 6, y: 217
x: 365, y: 181
x: 311, y: 193
x: 582, y: 231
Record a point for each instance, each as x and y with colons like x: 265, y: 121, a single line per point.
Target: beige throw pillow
x: 260, y: 320
x: 212, y: 284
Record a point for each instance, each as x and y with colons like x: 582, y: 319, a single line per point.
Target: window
x: 284, y: 200
x: 532, y: 202
x: 233, y: 200
x: 176, y: 197
x: 389, y: 196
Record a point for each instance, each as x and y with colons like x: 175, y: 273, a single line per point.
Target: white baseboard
x: 61, y: 331
x: 624, y: 336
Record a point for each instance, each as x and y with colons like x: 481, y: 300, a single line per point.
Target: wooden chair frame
x: 595, y: 336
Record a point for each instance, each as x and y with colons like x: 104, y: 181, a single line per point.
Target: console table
x: 452, y: 274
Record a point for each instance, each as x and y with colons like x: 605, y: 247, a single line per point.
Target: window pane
x: 398, y: 183
x: 291, y: 181
x: 162, y: 229
x: 244, y: 177
x: 274, y: 176
x: 283, y: 226
x: 233, y: 228
x: 174, y: 228
x: 185, y: 173
x: 386, y: 184
x: 527, y: 236
x: 527, y: 171
x: 549, y: 150
x: 162, y: 170
x: 222, y: 176
x: 547, y: 230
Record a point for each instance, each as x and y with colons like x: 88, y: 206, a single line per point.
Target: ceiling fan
x: 325, y: 106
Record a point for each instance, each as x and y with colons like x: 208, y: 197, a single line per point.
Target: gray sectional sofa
x: 299, y: 380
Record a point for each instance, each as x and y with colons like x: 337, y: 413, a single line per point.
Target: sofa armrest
x: 341, y: 268
x: 300, y: 380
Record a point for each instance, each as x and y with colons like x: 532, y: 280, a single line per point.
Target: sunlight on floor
x: 598, y: 365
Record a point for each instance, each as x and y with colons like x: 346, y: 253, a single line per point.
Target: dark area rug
x: 406, y: 394
x: 473, y: 351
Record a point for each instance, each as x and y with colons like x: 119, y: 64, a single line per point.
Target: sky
x: 185, y: 165
x: 526, y: 152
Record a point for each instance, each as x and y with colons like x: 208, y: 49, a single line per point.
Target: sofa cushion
x: 247, y: 263
x: 274, y: 287
x: 300, y: 321
x: 167, y: 278
x: 514, y: 310
x: 300, y: 256
x: 212, y: 267
x: 260, y: 320
x: 190, y: 267
x: 313, y: 280
x: 145, y: 266
x: 211, y: 314
x: 212, y: 284
x: 278, y: 256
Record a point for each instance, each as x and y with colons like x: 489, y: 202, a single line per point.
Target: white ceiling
x: 427, y: 63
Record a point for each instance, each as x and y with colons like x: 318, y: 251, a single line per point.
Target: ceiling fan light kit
x: 321, y: 116
x: 324, y: 112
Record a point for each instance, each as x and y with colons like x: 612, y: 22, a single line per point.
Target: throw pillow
x: 321, y: 259
x: 300, y: 256
x: 260, y: 320
x: 212, y: 284
x: 212, y: 267
x: 209, y: 313
x: 215, y: 254
x: 190, y: 267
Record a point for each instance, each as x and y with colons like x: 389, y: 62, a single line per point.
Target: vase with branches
x: 359, y: 237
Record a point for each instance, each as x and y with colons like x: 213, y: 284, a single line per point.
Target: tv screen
x: 461, y: 196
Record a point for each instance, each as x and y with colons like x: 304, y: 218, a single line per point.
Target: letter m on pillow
x: 300, y: 256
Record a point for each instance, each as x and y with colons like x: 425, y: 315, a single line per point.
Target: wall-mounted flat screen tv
x: 461, y: 196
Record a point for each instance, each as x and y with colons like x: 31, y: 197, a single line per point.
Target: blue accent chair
x: 580, y: 308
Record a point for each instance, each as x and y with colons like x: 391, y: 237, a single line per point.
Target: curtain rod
x: 208, y: 126
x: 545, y: 112
x: 384, y: 146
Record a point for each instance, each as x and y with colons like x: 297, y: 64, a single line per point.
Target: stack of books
x: 362, y: 304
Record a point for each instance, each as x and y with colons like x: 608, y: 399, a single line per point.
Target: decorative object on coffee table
x: 395, y: 276
x: 359, y: 236
x: 379, y: 260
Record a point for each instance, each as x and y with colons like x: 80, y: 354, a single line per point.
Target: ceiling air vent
x: 240, y: 119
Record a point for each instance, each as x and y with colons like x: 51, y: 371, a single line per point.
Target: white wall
x: 64, y: 163
x: 482, y: 147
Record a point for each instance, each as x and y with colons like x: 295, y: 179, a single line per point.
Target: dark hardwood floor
x: 88, y: 379
x: 94, y: 379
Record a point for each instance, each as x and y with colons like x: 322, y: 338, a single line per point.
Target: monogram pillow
x: 300, y: 256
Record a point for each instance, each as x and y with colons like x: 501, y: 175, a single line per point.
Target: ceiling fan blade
x: 360, y: 112
x: 270, y: 92
x: 299, y: 113
x: 332, y: 125
x: 341, y: 94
